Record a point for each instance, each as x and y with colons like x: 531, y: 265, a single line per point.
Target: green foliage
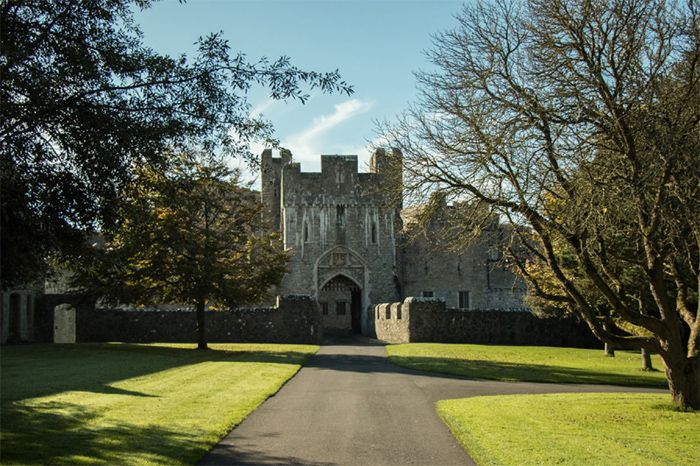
x: 127, y: 404
x: 84, y: 101
x: 590, y: 428
x: 526, y: 363
x: 191, y: 235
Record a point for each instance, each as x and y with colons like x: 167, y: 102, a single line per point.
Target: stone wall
x: 44, y: 320
x: 392, y: 322
x: 295, y: 319
x: 428, y: 320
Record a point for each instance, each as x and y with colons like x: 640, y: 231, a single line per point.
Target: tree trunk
x: 646, y: 361
x: 201, y: 336
x: 683, y: 376
x: 609, y: 350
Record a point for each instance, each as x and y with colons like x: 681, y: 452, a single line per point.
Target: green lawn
x: 135, y: 404
x: 528, y: 363
x: 596, y: 428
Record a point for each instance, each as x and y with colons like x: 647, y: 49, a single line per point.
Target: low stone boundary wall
x: 295, y: 319
x: 428, y: 320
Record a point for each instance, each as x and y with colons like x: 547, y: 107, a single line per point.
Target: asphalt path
x: 349, y: 405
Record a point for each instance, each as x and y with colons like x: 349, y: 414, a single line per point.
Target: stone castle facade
x: 350, y: 250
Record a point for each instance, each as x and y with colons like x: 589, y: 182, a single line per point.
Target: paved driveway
x: 349, y: 405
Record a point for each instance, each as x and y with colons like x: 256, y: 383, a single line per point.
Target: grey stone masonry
x: 351, y: 249
x: 294, y: 319
x: 472, y: 277
x: 429, y: 320
x: 343, y: 231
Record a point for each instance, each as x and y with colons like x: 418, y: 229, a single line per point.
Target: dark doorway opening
x: 343, y: 299
x: 356, y: 311
x: 15, y: 326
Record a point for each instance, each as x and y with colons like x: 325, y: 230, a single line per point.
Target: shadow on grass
x: 514, y: 372
x: 63, y: 433
x: 40, y: 370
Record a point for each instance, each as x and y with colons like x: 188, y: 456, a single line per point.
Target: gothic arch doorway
x: 340, y: 275
x: 340, y: 299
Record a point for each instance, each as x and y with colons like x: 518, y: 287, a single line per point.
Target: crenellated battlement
x: 338, y: 182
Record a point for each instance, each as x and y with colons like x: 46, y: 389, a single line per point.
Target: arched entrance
x: 341, y: 277
x: 340, y: 299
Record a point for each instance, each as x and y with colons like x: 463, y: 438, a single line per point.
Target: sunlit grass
x: 528, y: 363
x: 132, y: 404
x: 599, y: 429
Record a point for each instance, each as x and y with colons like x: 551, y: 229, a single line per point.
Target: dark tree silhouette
x: 84, y: 101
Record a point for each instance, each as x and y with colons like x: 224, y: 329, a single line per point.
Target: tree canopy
x: 190, y: 235
x: 577, y: 120
x: 84, y: 101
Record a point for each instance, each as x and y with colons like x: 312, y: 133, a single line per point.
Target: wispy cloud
x: 306, y: 143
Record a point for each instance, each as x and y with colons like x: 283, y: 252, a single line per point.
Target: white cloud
x: 257, y: 147
x: 307, y: 143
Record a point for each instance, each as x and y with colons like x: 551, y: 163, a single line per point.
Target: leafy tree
x: 577, y: 120
x: 190, y: 235
x: 84, y: 101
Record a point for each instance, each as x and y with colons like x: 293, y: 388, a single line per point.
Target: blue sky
x: 376, y: 45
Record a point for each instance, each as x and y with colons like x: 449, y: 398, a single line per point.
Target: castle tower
x: 271, y: 185
x: 342, y: 230
x: 388, y: 166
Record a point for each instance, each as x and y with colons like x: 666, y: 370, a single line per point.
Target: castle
x: 351, y: 250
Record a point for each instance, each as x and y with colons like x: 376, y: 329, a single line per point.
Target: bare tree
x: 577, y: 121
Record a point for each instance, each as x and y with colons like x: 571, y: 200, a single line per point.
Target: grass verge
x: 587, y: 428
x: 132, y: 404
x: 528, y: 363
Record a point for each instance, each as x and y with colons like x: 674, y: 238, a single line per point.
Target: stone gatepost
x: 64, y: 324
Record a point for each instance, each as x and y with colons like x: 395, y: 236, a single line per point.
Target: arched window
x: 306, y: 231
x: 340, y: 215
x: 374, y: 233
